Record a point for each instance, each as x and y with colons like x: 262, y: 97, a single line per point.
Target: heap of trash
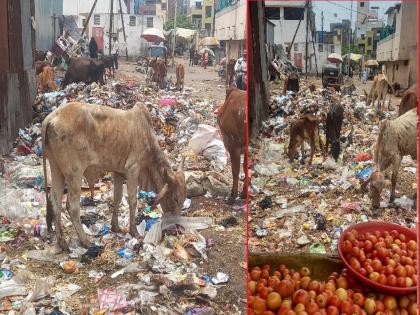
x: 170, y: 270
x: 296, y: 207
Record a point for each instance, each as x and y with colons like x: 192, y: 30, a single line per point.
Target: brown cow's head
x: 377, y: 182
x: 173, y: 194
x: 368, y: 98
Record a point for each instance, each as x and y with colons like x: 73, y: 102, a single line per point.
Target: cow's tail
x: 50, y: 212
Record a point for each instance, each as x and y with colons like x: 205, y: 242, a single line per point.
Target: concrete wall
x: 230, y: 22
x: 234, y: 48
x: 75, y: 7
x: 408, y: 21
x: 44, y: 23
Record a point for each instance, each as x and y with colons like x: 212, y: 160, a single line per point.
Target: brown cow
x: 40, y: 65
x: 85, y: 70
x: 408, y: 100
x: 378, y: 91
x: 396, y: 139
x: 87, y: 140
x: 292, y: 83
x: 232, y: 121
x: 301, y: 129
x: 180, y: 73
x: 230, y: 71
x: 160, y: 70
x: 46, y: 79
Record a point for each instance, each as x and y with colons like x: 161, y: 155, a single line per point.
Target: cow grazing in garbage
x: 397, y: 138
x: 85, y: 70
x: 87, y: 140
x: 46, y: 79
x: 180, y: 73
x: 232, y: 123
x: 40, y: 65
x: 378, y: 91
x: 333, y: 125
x: 292, y: 83
x: 301, y: 129
x: 408, y: 100
x: 109, y: 64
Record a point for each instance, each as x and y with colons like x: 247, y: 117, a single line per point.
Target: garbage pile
x: 294, y: 206
x: 165, y: 273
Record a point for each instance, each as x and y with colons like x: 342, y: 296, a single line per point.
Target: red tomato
x: 346, y: 247
x: 382, y: 279
x: 334, y: 300
x: 401, y: 282
x: 368, y: 246
x: 392, y: 280
x: 346, y: 307
x: 332, y: 310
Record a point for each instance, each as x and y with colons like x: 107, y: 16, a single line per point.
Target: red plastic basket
x: 371, y: 227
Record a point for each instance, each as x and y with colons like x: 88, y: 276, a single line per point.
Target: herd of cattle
x: 90, y: 70
x: 397, y: 138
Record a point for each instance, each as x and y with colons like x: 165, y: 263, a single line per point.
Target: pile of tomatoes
x: 290, y: 292
x: 384, y: 257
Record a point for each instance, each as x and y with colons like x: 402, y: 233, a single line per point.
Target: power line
x: 339, y: 5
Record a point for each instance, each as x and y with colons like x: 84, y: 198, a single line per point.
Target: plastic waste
x: 111, y: 299
x: 365, y: 173
x: 92, y: 252
x: 125, y: 252
x: 220, y: 278
x: 317, y: 248
x: 43, y: 287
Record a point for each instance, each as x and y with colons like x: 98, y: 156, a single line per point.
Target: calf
x: 87, y: 140
x: 180, y: 72
x: 230, y: 71
x: 396, y: 139
x: 333, y: 129
x: 160, y: 70
x: 408, y: 100
x: 109, y: 64
x: 301, y: 129
x: 232, y: 121
x: 378, y: 91
x: 292, y: 83
x: 85, y: 70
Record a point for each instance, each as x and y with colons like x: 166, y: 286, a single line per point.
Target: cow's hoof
x: 134, y: 233
x: 230, y: 201
x: 116, y: 229
x: 63, y: 244
x: 392, y: 199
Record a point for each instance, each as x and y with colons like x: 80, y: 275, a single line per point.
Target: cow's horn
x: 168, y: 177
x: 161, y: 193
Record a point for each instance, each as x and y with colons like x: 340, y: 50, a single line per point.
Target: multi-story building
x: 137, y: 18
x: 230, y: 26
x: 398, y: 51
x: 201, y: 13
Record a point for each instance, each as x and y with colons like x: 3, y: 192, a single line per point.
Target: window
x: 207, y: 26
x: 151, y: 2
x: 295, y: 47
x: 149, y: 22
x: 132, y: 20
x: 362, y: 4
x: 96, y: 19
x: 362, y: 36
x: 320, y: 48
x: 294, y: 13
x: 332, y: 48
x: 198, y: 5
x: 208, y: 10
x: 83, y: 22
x: 272, y: 13
x: 369, y: 41
x: 163, y: 6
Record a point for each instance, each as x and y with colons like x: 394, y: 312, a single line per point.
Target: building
x: 398, y: 51
x: 47, y: 26
x: 230, y: 26
x: 201, y: 13
x: 135, y: 23
x: 17, y: 73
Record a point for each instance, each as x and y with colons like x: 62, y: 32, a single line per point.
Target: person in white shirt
x: 115, y: 50
x: 240, y: 71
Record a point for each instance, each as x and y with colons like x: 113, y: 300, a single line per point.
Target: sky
x: 334, y: 11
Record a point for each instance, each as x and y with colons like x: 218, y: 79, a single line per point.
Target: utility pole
x: 174, y: 38
x: 322, y: 27
x: 123, y: 27
x: 306, y: 39
x: 88, y: 18
x: 349, y: 35
x: 111, y: 18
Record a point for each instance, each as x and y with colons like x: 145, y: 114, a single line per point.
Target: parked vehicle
x: 332, y: 76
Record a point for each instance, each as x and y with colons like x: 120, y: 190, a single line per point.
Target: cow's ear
x: 161, y: 194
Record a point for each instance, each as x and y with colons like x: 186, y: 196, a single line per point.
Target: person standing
x: 205, y: 59
x: 115, y: 50
x: 191, y: 56
x: 240, y: 70
x: 93, y: 48
x: 196, y: 57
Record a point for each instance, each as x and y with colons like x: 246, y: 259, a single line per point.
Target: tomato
x: 260, y: 305
x: 350, y: 237
x: 252, y: 286
x: 389, y: 270
x: 312, y: 308
x: 392, y: 280
x: 314, y: 286
x: 374, y: 276
x: 372, y: 238
x: 377, y: 265
x: 334, y: 300
x: 382, y: 252
x: 273, y: 301
x: 264, y: 293
x: 370, y: 306
x: 368, y: 246
x: 305, y: 272
x: 255, y: 275
x: 401, y: 282
x: 346, y: 247
x: 402, y: 237
x: 357, y: 310
x: 380, y: 307
x: 321, y: 300
x: 363, y: 271
x: 333, y: 310
x: 265, y: 274
x: 394, y: 234
x: 346, y: 307
x: 400, y: 271
x: 412, y: 245
x: 412, y: 308
x: 382, y: 279
x: 285, y: 288
x: 354, y: 263
x: 301, y: 296
x: 299, y: 308
x: 409, y: 270
x: 390, y: 303
x: 355, y: 251
x: 359, y: 299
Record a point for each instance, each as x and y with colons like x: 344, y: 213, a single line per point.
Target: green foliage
x: 181, y: 21
x: 353, y: 48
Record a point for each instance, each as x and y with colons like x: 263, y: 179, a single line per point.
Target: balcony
x: 224, y: 4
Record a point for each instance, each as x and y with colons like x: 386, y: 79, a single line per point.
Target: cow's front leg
x: 245, y: 187
x: 118, y: 185
x: 74, y: 197
x: 132, y: 181
x: 235, y: 159
x: 395, y: 168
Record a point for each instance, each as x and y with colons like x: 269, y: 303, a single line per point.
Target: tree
x: 353, y: 48
x: 181, y: 21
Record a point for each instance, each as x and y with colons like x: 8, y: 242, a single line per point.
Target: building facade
x: 135, y: 23
x: 230, y: 26
x: 201, y: 13
x: 398, y: 51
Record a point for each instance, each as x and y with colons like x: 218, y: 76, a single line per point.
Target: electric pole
x: 349, y: 35
x: 111, y: 18
x: 173, y: 44
x: 306, y: 39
